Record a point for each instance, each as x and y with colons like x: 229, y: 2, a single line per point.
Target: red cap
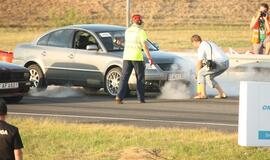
x: 136, y: 18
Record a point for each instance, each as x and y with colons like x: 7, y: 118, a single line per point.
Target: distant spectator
x: 10, y: 140
x: 261, y: 30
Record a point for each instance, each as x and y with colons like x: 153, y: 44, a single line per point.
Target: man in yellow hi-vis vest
x: 135, y: 41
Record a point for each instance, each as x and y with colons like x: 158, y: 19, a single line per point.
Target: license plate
x: 175, y: 76
x: 11, y: 85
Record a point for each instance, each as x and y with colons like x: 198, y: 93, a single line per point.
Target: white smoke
x: 229, y: 81
x: 180, y: 90
x: 58, y: 92
x: 176, y: 90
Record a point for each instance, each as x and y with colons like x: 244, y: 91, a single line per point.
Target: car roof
x: 98, y: 27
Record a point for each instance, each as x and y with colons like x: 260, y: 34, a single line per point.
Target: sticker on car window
x: 105, y: 34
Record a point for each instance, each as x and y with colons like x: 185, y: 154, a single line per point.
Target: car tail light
x: 6, y: 56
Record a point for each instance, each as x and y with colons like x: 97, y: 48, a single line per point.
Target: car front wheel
x: 112, y: 82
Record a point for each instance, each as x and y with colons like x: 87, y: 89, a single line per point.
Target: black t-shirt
x: 10, y: 139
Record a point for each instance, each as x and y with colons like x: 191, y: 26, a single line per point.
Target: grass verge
x: 48, y: 139
x: 171, y: 38
x: 178, y: 38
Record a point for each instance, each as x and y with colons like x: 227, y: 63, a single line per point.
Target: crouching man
x: 212, y: 62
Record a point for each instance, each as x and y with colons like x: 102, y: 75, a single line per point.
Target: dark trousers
x: 126, y: 72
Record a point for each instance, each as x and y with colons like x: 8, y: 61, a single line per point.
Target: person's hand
x: 258, y: 14
x: 151, y: 61
x: 265, y: 19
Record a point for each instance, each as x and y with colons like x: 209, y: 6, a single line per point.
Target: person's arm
x: 255, y: 20
x: 18, y: 146
x: 18, y: 154
x: 148, y: 55
x: 267, y: 24
x: 201, y: 57
x: 199, y: 65
x: 143, y: 41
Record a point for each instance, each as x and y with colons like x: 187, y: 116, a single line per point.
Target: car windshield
x: 114, y: 41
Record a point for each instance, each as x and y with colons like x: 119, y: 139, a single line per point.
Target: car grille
x: 169, y: 66
x: 11, y: 76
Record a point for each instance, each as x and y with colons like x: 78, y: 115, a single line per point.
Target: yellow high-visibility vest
x: 135, y: 37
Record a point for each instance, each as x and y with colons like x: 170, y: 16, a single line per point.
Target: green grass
x: 48, y: 139
x: 178, y: 38
x: 11, y: 36
x: 175, y: 38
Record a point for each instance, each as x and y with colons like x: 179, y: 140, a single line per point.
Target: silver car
x: 90, y: 55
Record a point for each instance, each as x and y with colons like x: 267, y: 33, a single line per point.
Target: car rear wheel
x: 37, y: 77
x: 16, y: 99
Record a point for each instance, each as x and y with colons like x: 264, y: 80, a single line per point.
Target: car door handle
x: 71, y: 56
x: 44, y: 53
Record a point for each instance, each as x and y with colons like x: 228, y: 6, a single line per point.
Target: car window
x: 83, y: 38
x: 61, y: 38
x: 43, y: 41
x: 115, y: 41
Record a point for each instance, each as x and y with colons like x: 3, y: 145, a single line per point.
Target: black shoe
x: 142, y: 101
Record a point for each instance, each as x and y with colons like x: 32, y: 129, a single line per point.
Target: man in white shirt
x: 209, y: 51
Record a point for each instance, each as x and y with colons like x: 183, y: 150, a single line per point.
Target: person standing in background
x: 261, y: 30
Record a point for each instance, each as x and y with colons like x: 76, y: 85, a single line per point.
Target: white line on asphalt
x: 124, y: 119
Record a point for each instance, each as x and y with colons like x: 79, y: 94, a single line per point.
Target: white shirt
x: 204, y: 52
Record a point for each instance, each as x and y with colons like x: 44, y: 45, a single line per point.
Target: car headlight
x: 150, y: 67
x: 175, y: 67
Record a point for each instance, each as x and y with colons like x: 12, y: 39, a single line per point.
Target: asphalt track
x: 213, y: 114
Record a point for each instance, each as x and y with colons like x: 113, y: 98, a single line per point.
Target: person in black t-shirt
x: 10, y: 140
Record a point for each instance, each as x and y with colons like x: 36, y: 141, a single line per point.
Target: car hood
x: 11, y: 67
x: 158, y: 56
x: 164, y: 57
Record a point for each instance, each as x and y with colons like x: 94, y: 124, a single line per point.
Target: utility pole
x: 128, y: 13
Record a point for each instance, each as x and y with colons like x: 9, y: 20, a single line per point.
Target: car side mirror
x: 92, y: 47
x: 156, y: 45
